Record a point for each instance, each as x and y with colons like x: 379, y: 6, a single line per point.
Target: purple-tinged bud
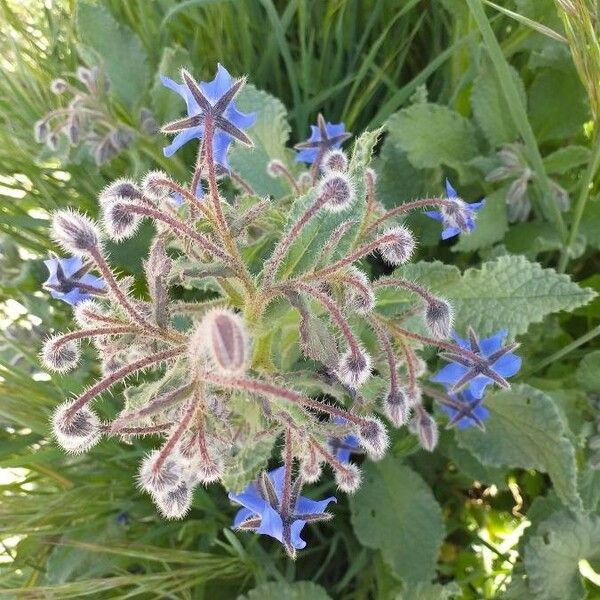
x: 499, y: 174
x: 52, y: 140
x: 310, y: 468
x: 40, y: 131
x: 84, y: 313
x: 426, y: 429
x: 337, y: 191
x: 373, y: 438
x: 76, y: 432
x: 154, y: 187
x: 60, y: 357
x: 371, y: 176
x: 275, y: 167
x: 354, y: 369
x: 58, y: 86
x: 120, y: 189
x: 360, y: 297
x: 210, y: 471
x: 438, y: 318
x: 348, y: 479
x: 85, y: 75
x: 159, y: 475
x: 148, y: 121
x: 175, y: 503
x: 75, y: 232
x: 398, y: 249
x: 73, y: 129
x: 119, y: 222
x: 334, y: 160
x: 222, y: 334
x: 397, y: 407
x: 560, y: 195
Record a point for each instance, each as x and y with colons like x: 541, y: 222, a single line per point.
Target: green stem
x: 584, y: 194
x: 590, y: 335
x: 518, y: 111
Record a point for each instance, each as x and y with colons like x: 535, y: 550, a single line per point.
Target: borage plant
x: 282, y: 338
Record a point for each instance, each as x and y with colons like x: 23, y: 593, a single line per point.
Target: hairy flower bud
x: 153, y: 185
x: 337, y: 191
x: 120, y: 189
x: 40, y: 131
x: 75, y: 432
x: 119, y: 222
x: 373, y: 438
x: 275, y: 168
x: 75, y: 232
x: 310, y: 468
x: 397, y: 407
x: 222, y: 334
x: 60, y: 357
x: 399, y: 247
x: 334, y: 160
x: 58, y: 86
x: 360, y: 297
x: 175, y: 503
x: 84, y: 313
x: 73, y: 130
x: 160, y: 474
x: 348, y: 479
x: 354, y: 369
x: 438, y: 318
x: 426, y: 429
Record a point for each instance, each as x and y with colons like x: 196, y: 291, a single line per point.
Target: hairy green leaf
x: 299, y: 590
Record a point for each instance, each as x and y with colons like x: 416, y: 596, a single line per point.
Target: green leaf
x: 492, y: 224
x: 246, y: 465
x: 525, y: 430
x: 168, y: 105
x: 433, y: 135
x: 299, y: 590
x: 270, y: 134
x: 553, y: 556
x: 120, y: 50
x: 490, y: 108
x: 507, y: 293
x: 394, y: 511
x: 565, y: 159
x: 590, y: 224
x: 588, y: 372
x: 430, y: 591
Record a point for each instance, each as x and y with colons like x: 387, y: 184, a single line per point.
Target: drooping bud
x: 153, y: 185
x: 58, y: 86
x: 175, y: 503
x: 426, y: 429
x: 211, y: 470
x: 310, y: 467
x: 275, y: 168
x: 348, y: 479
x: 75, y: 232
x: 397, y: 407
x: 76, y: 432
x: 438, y: 317
x: 52, y: 140
x: 373, y: 438
x: 360, y: 296
x: 334, y: 160
x: 119, y: 222
x: 73, y: 129
x: 120, y: 189
x: 60, y: 357
x: 84, y: 313
x: 86, y: 76
x: 40, y: 131
x: 222, y: 334
x: 337, y: 191
x: 160, y: 474
x: 399, y: 247
x: 354, y: 369
x: 305, y: 180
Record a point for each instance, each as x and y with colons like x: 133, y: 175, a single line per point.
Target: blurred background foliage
x: 499, y: 97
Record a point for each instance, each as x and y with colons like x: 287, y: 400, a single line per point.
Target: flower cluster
x: 221, y: 385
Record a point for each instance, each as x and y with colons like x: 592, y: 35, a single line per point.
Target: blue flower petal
x: 180, y: 139
x: 271, y: 524
x: 242, y: 515
x: 250, y: 499
x: 449, y: 232
x: 450, y: 374
x: 306, y: 506
x: 477, y: 386
x: 435, y: 214
x: 490, y: 345
x: 295, y: 530
x: 507, y: 365
x: 450, y: 191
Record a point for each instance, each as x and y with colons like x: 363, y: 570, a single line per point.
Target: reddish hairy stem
x: 209, y: 130
x: 147, y: 430
x: 330, y: 458
x: 384, y: 339
x: 84, y: 333
x: 287, y: 480
x: 283, y: 170
x: 121, y: 373
x: 407, y: 285
x: 174, y: 186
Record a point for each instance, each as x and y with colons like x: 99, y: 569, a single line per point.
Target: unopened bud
x: 58, y: 86
x: 87, y: 313
x: 52, y: 140
x: 275, y: 168
x: 153, y: 185
x: 399, y: 246
x: 60, y: 357
x: 175, y: 503
x: 120, y: 189
x: 354, y: 369
x: 426, y: 430
x: 396, y: 407
x: 40, y: 131
x: 348, y: 479
x: 119, y: 222
x: 310, y: 468
x: 159, y: 474
x: 438, y: 318
x: 337, y: 191
x: 75, y: 232
x: 360, y: 297
x: 85, y: 76
x: 76, y: 431
x: 305, y: 180
x: 334, y: 160
x: 373, y: 438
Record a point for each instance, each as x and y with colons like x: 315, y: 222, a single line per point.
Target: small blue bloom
x: 209, y: 99
x: 483, y: 362
x: 460, y: 217
x: 324, y: 136
x: 70, y: 281
x: 263, y: 513
x: 343, y: 448
x: 465, y: 410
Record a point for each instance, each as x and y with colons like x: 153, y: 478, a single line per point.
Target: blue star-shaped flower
x: 342, y: 448
x: 465, y: 410
x: 209, y: 99
x: 485, y: 361
x: 263, y: 512
x: 70, y: 281
x: 458, y: 217
x: 324, y: 136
